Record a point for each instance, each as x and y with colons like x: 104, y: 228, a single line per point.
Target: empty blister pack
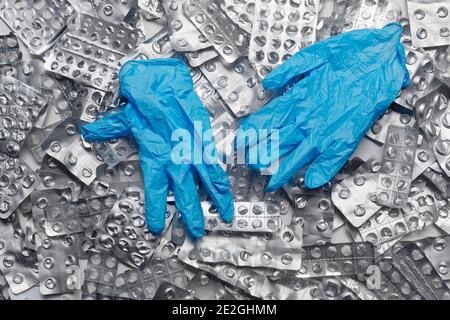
x: 17, y: 181
x: 99, y: 276
x: 355, y: 196
x: 197, y: 58
x: 388, y: 224
x: 65, y: 218
x: 66, y: 145
x: 237, y: 84
x: 158, y: 46
x: 17, y: 264
x: 248, y: 217
x: 225, y: 36
x: 91, y: 50
x: 438, y: 253
x: 9, y: 49
x: 246, y: 184
x: 75, y: 100
x: 169, y: 291
x: 279, y: 30
x: 152, y: 8
x: 341, y: 259
x: 184, y: 35
x: 114, y: 151
x: 37, y: 23
x: 280, y: 250
x: 442, y: 58
x: 430, y: 22
x: 313, y: 210
x: 241, y: 12
x: 421, y: 69
x: 125, y: 233
x: 395, y: 176
x: 143, y: 283
x: 20, y: 105
x: 418, y: 270
x: 434, y: 113
x: 362, y: 14
x: 59, y: 270
x: 204, y: 286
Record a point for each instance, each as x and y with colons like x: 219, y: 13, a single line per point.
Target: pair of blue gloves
x: 337, y: 89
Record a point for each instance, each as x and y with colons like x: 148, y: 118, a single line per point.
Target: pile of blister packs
x: 72, y: 222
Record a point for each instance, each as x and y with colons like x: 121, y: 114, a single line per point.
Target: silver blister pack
x: 17, y: 264
x: 206, y: 287
x: 20, y: 105
x: 91, y: 50
x: 158, y: 46
x: 99, y: 276
x: 114, y: 151
x: 438, y: 253
x: 65, y: 218
x: 246, y: 184
x: 169, y: 291
x: 417, y: 269
x: 248, y: 217
x: 58, y: 265
x: 197, y: 58
x: 355, y: 196
x: 125, y: 233
x: 313, y: 210
x: 335, y: 259
x: 142, y: 284
x: 279, y: 30
x: 443, y: 220
x: 430, y: 22
x: 362, y: 14
x: 153, y: 8
x: 395, y: 176
x: 66, y: 145
x: 17, y: 181
x: 225, y: 36
x: 237, y: 84
x: 241, y: 12
x: 184, y: 35
x: 37, y: 23
x: 280, y: 250
x: 421, y: 69
x: 442, y: 58
x: 434, y: 112
x: 388, y: 224
x: 9, y: 49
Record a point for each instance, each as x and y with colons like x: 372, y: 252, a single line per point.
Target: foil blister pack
x: 279, y: 30
x: 335, y: 259
x: 37, y: 23
x: 248, y: 217
x: 20, y: 106
x: 396, y: 170
x: 430, y: 22
x: 9, y: 49
x: 67, y: 146
x: 241, y: 12
x: 227, y: 38
x: 237, y: 84
x: 184, y: 35
x: 142, y: 284
x: 100, y: 272
x: 17, y: 181
x: 91, y: 50
x: 281, y: 250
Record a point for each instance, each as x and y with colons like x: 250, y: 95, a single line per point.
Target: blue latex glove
x: 161, y: 99
x: 340, y: 87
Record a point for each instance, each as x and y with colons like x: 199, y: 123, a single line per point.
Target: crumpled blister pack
x: 72, y: 218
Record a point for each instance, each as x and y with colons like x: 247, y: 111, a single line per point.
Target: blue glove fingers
x: 187, y: 199
x: 111, y: 126
x: 302, y: 155
x: 325, y: 167
x: 303, y: 61
x: 155, y: 186
x: 218, y: 186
